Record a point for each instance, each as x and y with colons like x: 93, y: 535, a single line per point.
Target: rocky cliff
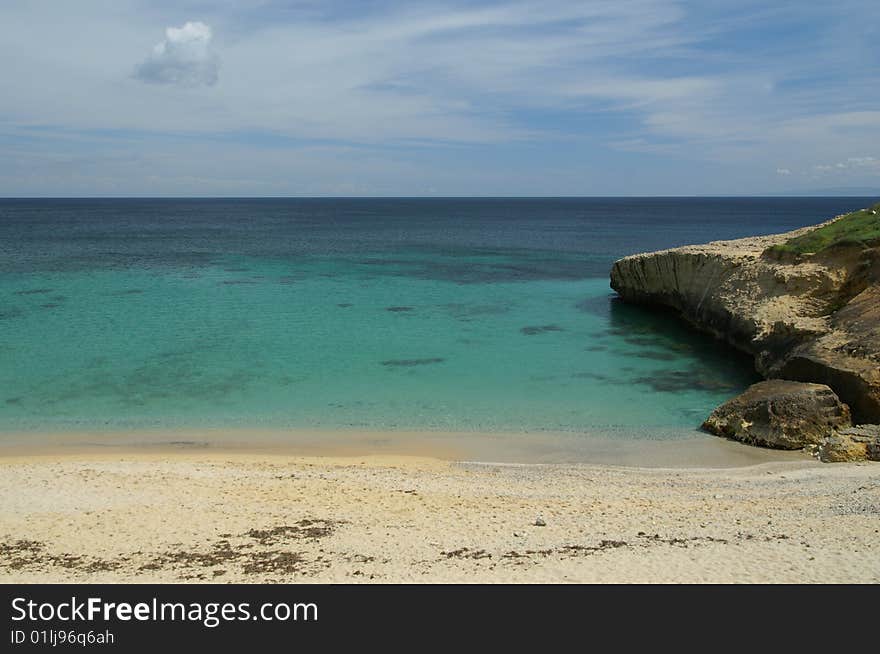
x: 811, y: 317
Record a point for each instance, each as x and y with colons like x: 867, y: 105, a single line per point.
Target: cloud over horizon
x: 183, y: 58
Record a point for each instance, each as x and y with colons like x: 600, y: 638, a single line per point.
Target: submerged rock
x: 34, y: 291
x: 781, y: 414
x: 540, y: 329
x: 408, y: 363
x: 691, y: 379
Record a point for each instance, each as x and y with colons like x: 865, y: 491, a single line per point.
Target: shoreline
x: 684, y: 449
x: 205, y: 516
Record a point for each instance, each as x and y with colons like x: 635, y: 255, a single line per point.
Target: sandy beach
x: 210, y: 515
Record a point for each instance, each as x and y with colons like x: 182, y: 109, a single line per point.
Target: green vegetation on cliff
x: 857, y: 227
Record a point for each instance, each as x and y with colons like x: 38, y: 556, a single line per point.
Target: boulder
x: 781, y: 414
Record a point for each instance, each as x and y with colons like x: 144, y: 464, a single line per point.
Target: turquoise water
x: 189, y: 327
x: 323, y: 344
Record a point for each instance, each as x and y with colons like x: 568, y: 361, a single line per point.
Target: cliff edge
x: 810, y: 316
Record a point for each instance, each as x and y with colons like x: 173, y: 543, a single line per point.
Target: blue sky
x: 262, y: 97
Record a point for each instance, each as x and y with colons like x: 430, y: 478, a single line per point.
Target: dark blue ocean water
x: 457, y: 314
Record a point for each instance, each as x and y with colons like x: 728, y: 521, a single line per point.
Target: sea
x: 451, y: 314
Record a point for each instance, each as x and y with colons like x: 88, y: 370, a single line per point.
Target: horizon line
x: 434, y: 197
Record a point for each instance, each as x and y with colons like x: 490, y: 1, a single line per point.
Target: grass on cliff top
x: 861, y: 226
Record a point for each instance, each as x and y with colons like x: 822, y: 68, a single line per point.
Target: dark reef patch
x: 645, y: 341
x: 34, y: 291
x: 236, y: 282
x: 49, y: 305
x: 592, y: 375
x: 665, y: 338
x: 13, y: 400
x: 471, y: 312
x: 540, y: 329
x: 597, y: 306
x: 693, y: 379
x: 8, y: 314
x: 344, y: 305
x: 408, y: 363
x: 654, y: 355
x: 287, y: 280
x: 399, y: 309
x: 168, y: 375
x: 131, y: 291
x: 479, y: 265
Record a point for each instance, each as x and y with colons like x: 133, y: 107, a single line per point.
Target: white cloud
x: 859, y: 162
x: 184, y: 58
x: 852, y: 165
x: 783, y: 171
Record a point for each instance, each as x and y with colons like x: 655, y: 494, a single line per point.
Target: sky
x: 461, y: 98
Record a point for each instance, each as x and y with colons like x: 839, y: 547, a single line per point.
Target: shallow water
x: 489, y: 315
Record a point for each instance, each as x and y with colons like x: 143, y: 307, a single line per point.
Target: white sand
x: 231, y: 516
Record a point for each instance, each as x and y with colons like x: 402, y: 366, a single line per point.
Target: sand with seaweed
x: 213, y: 516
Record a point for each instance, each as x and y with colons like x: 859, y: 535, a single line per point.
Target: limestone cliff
x: 809, y: 317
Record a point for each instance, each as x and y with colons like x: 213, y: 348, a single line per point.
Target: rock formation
x: 853, y: 444
x: 811, y: 317
x: 781, y: 414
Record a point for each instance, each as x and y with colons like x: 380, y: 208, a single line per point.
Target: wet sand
x: 171, y: 513
x: 675, y: 448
